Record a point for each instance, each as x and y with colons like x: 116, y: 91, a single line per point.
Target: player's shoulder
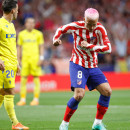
x: 22, y: 32
x: 37, y: 31
x: 1, y: 21
x: 100, y: 26
x: 78, y: 23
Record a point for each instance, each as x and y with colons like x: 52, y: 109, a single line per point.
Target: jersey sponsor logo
x: 29, y: 40
x: 10, y: 35
x: 93, y: 39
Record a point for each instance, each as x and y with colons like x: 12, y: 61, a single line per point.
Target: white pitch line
x: 81, y: 106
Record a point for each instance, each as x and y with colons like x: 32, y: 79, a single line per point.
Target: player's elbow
x: 109, y: 48
x: 109, y: 51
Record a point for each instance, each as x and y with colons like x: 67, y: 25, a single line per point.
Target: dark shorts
x: 80, y: 77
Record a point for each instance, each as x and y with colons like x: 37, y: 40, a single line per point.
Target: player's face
x: 90, y: 24
x: 30, y: 24
x: 15, y: 12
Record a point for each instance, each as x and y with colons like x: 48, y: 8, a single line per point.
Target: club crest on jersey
x: 79, y: 81
x: 6, y: 26
x: 10, y: 35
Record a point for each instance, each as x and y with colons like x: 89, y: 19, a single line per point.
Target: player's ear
x: 12, y: 11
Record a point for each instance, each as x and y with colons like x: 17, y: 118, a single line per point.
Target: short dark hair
x: 8, y: 5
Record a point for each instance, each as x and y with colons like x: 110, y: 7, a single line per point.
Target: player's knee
x: 108, y: 93
x: 79, y: 96
x: 9, y: 91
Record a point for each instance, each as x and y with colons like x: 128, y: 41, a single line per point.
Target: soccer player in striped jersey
x: 9, y: 66
x: 90, y: 38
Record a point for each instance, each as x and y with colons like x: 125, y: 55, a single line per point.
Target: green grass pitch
x: 49, y: 114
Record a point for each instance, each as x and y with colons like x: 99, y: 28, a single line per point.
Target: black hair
x: 8, y: 5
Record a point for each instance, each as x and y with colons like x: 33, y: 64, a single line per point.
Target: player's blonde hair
x: 91, y: 13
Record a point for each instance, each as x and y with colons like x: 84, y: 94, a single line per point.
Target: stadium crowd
x: 50, y: 14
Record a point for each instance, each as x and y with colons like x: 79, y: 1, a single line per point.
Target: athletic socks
x: 37, y: 87
x: 104, y: 101
x: 72, y: 106
x: 1, y: 100
x: 9, y: 106
x: 23, y: 88
x: 102, y: 107
x: 101, y: 110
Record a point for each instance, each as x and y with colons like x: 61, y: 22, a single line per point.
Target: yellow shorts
x: 7, y: 77
x: 30, y: 67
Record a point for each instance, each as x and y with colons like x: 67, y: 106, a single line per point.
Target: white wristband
x: 41, y: 57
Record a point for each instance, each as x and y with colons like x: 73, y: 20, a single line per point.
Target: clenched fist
x: 57, y: 42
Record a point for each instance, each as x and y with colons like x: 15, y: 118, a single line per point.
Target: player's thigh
x: 9, y: 77
x: 35, y: 70
x: 104, y: 89
x: 77, y: 77
x: 7, y: 91
x: 96, y: 78
x: 25, y: 68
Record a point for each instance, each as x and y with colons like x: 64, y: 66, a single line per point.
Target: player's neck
x: 8, y: 17
x: 29, y: 30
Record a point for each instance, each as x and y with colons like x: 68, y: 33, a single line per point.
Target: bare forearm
x: 41, y: 50
x: 19, y: 53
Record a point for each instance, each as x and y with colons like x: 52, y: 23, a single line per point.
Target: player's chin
x: 90, y: 30
x: 56, y: 44
x: 15, y: 17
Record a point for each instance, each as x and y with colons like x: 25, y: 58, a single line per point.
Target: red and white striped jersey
x: 98, y: 42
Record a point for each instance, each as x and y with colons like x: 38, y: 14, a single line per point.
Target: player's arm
x: 104, y: 47
x: 19, y: 48
x: 68, y: 28
x: 2, y: 66
x: 19, y: 53
x: 41, y: 49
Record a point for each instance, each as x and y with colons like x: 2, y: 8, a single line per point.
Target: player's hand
x: 57, y: 42
x: 18, y: 70
x: 2, y: 66
x: 84, y: 44
x: 40, y: 63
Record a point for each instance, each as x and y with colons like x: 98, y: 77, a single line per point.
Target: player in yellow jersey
x: 8, y: 60
x: 30, y: 48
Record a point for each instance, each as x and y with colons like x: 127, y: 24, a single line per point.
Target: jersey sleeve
x: 20, y: 40
x: 105, y: 46
x: 68, y: 28
x: 40, y: 38
x: 0, y: 28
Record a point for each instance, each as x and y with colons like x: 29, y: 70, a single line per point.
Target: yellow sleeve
x: 19, y: 41
x: 40, y: 38
x: 0, y: 29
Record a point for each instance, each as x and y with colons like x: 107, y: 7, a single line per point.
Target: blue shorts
x: 80, y: 77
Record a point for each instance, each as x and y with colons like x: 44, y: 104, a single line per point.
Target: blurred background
x: 50, y: 14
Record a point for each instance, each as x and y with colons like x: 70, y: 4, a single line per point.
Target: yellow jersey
x: 30, y: 42
x: 8, y: 52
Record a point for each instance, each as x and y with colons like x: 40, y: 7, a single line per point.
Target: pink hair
x: 91, y: 13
